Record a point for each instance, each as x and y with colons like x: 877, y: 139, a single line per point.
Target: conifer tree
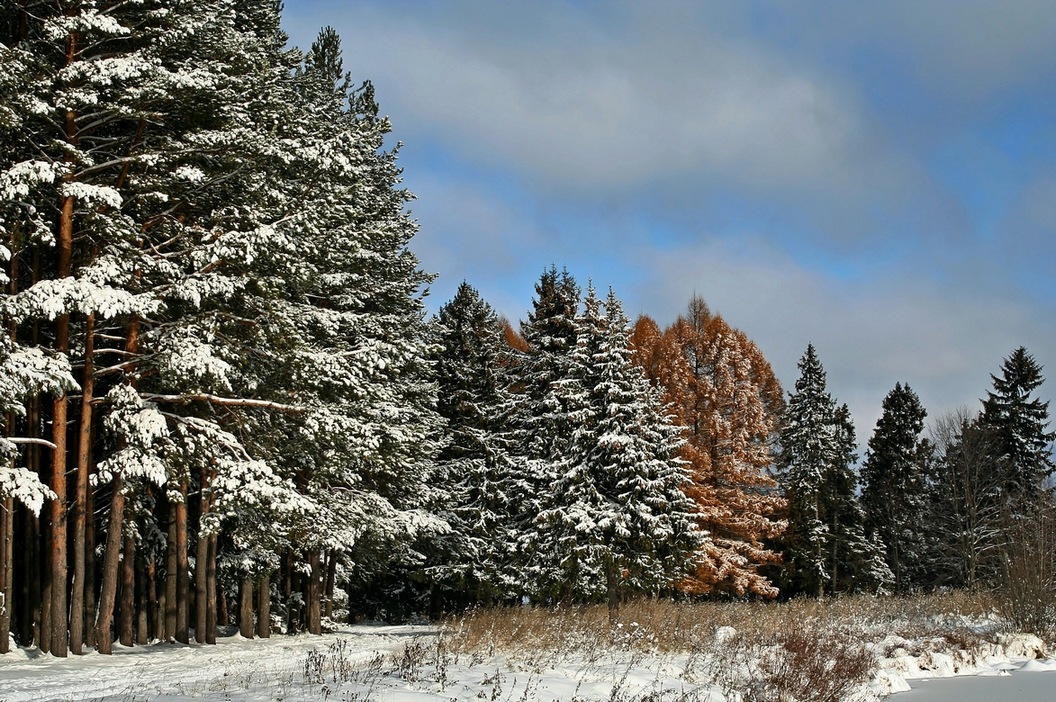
x: 722, y: 391
x: 1020, y: 421
x: 893, y: 478
x: 616, y: 520
x: 215, y: 242
x: 966, y: 518
x: 472, y: 558
x: 537, y: 419
x: 824, y: 546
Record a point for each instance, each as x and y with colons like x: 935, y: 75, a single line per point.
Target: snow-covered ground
x: 410, y: 663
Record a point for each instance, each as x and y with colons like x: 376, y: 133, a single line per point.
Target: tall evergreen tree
x: 216, y: 244
x: 825, y: 549
x: 1020, y: 421
x: 616, y: 520
x: 855, y: 561
x: 537, y: 417
x: 472, y: 559
x: 966, y: 518
x: 894, y: 485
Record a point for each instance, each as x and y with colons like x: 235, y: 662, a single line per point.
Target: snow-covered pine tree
x: 340, y: 333
x: 470, y: 358
x: 824, y: 546
x: 856, y: 561
x: 176, y: 202
x: 894, y: 488
x: 1020, y: 421
x: 94, y: 77
x: 616, y: 520
x: 537, y: 420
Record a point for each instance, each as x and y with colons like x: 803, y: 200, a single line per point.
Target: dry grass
x: 667, y: 626
x: 805, y: 649
x: 664, y: 651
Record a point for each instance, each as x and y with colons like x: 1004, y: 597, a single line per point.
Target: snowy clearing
x: 416, y: 663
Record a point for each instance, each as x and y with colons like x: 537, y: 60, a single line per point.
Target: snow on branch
x: 24, y: 485
x: 225, y: 401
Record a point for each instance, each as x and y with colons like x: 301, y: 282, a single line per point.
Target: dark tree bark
x: 183, y: 574
x: 89, y: 570
x: 128, y: 594
x: 314, y: 593
x: 264, y: 607
x: 201, y: 599
x: 290, y: 584
x: 79, y: 513
x: 142, y: 603
x: 245, y: 607
x: 210, y: 590
x: 169, y: 597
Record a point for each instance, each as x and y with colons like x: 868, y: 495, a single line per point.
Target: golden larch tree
x: 719, y: 386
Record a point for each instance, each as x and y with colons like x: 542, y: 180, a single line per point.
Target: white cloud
x: 651, y: 100
x: 941, y: 340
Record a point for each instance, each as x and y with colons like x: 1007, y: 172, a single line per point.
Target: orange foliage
x: 722, y: 390
x: 513, y: 339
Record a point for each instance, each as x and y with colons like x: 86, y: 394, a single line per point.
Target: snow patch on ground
x: 408, y: 663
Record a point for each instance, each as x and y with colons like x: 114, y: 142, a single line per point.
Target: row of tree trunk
x: 140, y: 592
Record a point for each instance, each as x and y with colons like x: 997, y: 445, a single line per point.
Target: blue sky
x: 876, y: 178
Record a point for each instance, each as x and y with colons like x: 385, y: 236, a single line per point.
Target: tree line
x: 224, y: 403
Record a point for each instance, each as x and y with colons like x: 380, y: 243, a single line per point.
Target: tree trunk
x: 89, y: 569
x: 57, y: 558
x: 142, y: 600
x: 210, y: 590
x: 245, y: 607
x: 290, y: 585
x: 33, y: 597
x: 111, y: 567
x: 264, y: 608
x: 201, y: 576
x: 154, y: 612
x: 201, y: 601
x: 315, y: 579
x: 331, y: 583
x: 168, y: 631
x: 80, y: 503
x: 183, y: 569
x: 7, y: 571
x: 128, y: 602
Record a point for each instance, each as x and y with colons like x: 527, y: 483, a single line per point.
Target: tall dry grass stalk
x: 670, y: 626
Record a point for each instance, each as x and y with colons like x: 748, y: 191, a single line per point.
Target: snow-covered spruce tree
x: 470, y: 361
x: 723, y: 393
x: 616, y: 520
x: 965, y: 515
x: 1020, y: 421
x: 894, y: 487
x: 537, y: 420
x: 816, y: 453
x: 856, y: 560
